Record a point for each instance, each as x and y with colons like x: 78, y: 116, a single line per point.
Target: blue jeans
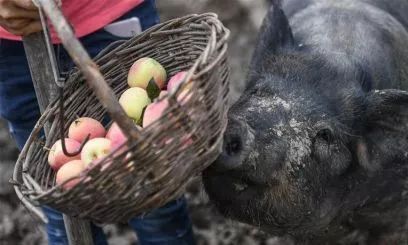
x: 170, y: 224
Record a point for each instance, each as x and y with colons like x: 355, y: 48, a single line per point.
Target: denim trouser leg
x: 168, y: 225
x: 56, y: 229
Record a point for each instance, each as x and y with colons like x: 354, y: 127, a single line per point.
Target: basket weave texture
x: 154, y: 168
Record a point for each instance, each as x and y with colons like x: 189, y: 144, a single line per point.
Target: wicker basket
x: 154, y: 167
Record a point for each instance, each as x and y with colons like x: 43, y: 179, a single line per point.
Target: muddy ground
x: 243, y: 18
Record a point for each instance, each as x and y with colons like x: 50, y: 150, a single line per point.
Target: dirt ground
x: 243, y: 18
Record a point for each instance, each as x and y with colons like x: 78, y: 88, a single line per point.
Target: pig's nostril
x: 233, y: 145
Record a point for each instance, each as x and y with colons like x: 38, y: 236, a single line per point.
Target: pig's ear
x: 275, y: 33
x: 384, y: 128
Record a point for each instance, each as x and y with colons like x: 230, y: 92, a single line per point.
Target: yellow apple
x: 144, y: 70
x: 133, y: 101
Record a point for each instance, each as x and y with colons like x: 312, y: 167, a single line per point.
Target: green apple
x: 133, y: 101
x: 95, y: 150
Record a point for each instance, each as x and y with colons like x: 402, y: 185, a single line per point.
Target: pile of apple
x: 147, y: 81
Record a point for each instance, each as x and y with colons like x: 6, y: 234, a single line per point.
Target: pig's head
x: 304, y: 140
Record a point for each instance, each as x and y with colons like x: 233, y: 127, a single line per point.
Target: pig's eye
x: 256, y: 91
x: 260, y: 92
x: 325, y: 134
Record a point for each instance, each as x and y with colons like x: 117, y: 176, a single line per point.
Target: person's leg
x: 170, y: 225
x: 56, y: 229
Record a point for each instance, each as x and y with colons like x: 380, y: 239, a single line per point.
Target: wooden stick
x: 41, y: 73
x: 78, y: 231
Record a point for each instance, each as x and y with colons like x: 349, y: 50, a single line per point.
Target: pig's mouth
x: 232, y: 187
x: 233, y: 195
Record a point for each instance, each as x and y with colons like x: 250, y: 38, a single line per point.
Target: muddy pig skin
x: 316, y: 148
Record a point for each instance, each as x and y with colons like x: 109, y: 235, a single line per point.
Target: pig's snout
x: 238, y: 142
x: 233, y: 145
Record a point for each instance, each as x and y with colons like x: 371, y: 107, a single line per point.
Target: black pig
x: 317, y: 146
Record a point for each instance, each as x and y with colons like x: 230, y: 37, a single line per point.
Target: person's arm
x: 19, y: 17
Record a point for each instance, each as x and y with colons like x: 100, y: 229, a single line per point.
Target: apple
x: 95, y: 150
x: 84, y: 126
x: 69, y: 170
x: 154, y: 111
x: 176, y: 80
x: 133, y: 101
x: 145, y: 69
x: 162, y: 94
x: 116, y: 136
x: 184, y: 97
x: 57, y: 158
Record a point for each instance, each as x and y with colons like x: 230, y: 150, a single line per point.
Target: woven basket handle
x: 88, y: 68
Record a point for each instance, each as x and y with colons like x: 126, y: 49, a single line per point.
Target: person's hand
x: 19, y: 17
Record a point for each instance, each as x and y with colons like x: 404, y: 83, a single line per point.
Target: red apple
x: 154, y: 111
x: 70, y: 170
x: 145, y: 69
x: 162, y: 94
x: 176, y: 80
x: 116, y: 136
x: 95, y: 150
x: 84, y: 126
x: 184, y: 97
x: 57, y: 158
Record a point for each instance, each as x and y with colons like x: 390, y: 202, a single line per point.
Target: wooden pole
x: 78, y: 231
